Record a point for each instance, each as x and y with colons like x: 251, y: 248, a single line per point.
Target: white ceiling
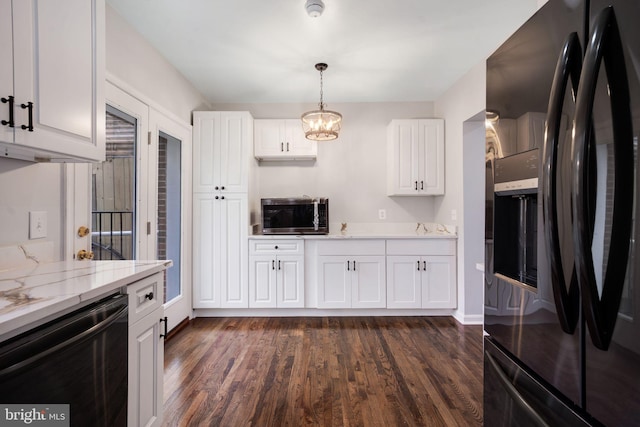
x: 263, y: 51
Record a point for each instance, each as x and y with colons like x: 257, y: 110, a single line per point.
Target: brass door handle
x: 83, y: 231
x: 82, y: 254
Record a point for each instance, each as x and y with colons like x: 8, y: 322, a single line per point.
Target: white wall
x: 461, y: 102
x: 350, y: 171
x: 132, y: 61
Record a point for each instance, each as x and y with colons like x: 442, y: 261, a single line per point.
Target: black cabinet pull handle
x: 425, y: 265
x: 418, y: 265
x: 149, y: 296
x: 422, y: 185
x: 29, y: 106
x: 222, y: 188
x: 354, y: 265
x: 165, y: 327
x: 11, y: 122
x: 217, y: 197
x: 279, y: 267
x: 282, y: 146
x: 287, y: 146
x: 416, y: 186
x: 222, y: 197
x: 348, y: 265
x: 216, y: 188
x: 273, y: 264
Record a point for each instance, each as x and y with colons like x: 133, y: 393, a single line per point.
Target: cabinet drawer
x: 276, y: 246
x: 351, y: 247
x: 421, y: 247
x: 145, y: 296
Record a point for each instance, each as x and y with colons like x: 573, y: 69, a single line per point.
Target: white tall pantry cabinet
x: 222, y: 143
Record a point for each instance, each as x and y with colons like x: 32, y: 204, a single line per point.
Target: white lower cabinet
x: 421, y: 282
x: 416, y: 280
x: 351, y: 274
x: 276, y: 274
x: 351, y: 281
x: 146, y: 351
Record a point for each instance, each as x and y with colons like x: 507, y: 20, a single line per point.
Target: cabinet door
x: 439, y: 282
x: 290, y: 281
x: 298, y: 146
x: 206, y: 262
x: 431, y: 156
x: 6, y: 67
x: 262, y: 281
x: 221, y: 142
x: 59, y: 67
x: 233, y: 250
x: 146, y: 368
x: 368, y: 282
x: 403, y: 157
x: 404, y: 284
x: 334, y: 282
x: 236, y: 134
x: 268, y: 138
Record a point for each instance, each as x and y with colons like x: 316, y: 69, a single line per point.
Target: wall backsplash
x: 25, y: 187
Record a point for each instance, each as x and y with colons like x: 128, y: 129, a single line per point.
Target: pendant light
x: 321, y: 125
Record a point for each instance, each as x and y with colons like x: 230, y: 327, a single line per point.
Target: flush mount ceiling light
x: 321, y: 125
x: 314, y: 8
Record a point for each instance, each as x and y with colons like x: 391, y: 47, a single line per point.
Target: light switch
x: 37, y: 224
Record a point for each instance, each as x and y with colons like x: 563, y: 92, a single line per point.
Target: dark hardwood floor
x: 336, y: 371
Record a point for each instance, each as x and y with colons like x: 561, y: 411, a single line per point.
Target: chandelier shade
x: 321, y: 124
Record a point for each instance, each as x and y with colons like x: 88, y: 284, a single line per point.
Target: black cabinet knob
x: 149, y: 296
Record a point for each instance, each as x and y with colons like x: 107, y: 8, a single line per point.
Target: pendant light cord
x: 321, y: 93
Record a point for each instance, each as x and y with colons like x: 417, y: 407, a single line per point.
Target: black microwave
x: 295, y: 216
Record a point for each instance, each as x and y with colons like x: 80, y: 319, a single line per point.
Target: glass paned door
x: 169, y: 180
x: 113, y: 190
x: 170, y: 210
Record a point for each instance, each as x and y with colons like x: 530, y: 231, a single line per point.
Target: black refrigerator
x: 562, y: 269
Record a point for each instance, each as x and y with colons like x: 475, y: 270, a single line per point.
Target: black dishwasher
x: 79, y: 359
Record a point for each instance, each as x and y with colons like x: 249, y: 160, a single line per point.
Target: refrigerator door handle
x: 601, y: 312
x: 513, y: 391
x: 568, y: 68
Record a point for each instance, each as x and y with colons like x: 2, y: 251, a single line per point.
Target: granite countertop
x: 29, y: 294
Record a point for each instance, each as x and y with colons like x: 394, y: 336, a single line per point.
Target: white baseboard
x: 469, y: 319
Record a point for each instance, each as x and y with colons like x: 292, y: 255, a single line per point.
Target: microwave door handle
x: 316, y: 217
x: 568, y: 68
x: 601, y: 312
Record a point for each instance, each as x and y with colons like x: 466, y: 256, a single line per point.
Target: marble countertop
x: 414, y: 230
x: 32, y: 293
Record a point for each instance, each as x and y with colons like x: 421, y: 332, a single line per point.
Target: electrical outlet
x: 382, y: 214
x: 37, y: 224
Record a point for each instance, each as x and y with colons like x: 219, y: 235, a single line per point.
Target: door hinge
x: 149, y: 138
x: 148, y: 228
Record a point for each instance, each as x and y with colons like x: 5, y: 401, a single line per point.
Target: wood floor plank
x: 324, y: 371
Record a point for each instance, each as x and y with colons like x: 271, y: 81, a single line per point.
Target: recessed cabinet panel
x: 404, y: 282
x: 439, y: 282
x: 368, y: 284
x: 334, y: 282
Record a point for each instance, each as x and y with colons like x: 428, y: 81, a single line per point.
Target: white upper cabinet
x: 282, y: 140
x: 53, y: 106
x: 415, y: 152
x: 221, y: 152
